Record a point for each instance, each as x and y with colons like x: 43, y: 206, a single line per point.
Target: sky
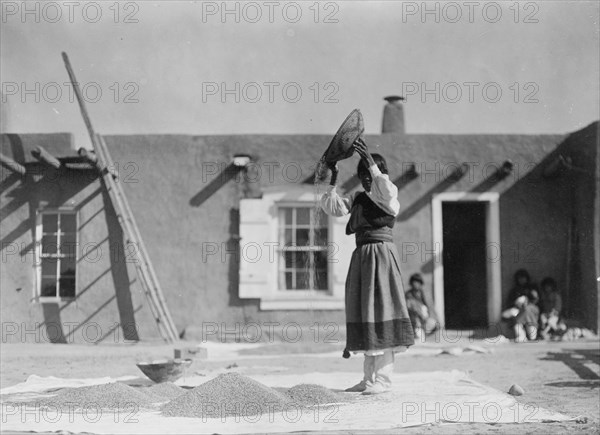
x: 271, y: 67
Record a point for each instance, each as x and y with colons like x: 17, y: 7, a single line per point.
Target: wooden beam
x: 88, y: 155
x: 45, y: 157
x: 11, y: 165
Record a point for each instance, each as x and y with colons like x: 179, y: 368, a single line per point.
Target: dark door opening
x: 464, y: 261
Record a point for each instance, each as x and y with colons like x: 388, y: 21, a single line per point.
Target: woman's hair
x: 379, y: 161
x: 550, y: 282
x: 522, y: 273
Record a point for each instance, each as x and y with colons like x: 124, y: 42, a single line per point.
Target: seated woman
x: 551, y: 324
x: 419, y: 309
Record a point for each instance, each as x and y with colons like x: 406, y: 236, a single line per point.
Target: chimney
x: 393, y: 115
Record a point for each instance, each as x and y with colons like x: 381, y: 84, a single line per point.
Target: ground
x: 560, y: 376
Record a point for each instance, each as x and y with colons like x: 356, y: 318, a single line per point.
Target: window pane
x: 288, y: 216
x: 321, y: 278
x: 67, y: 287
x: 320, y: 259
x: 67, y: 278
x: 302, y: 237
x: 290, y: 259
x: 50, y: 223
x: 49, y: 245
x: 287, y: 239
x: 289, y: 280
x: 301, y: 260
x: 302, y: 280
x: 49, y: 268
x: 67, y: 244
x: 68, y: 223
x: 67, y: 267
x: 303, y: 216
x: 320, y: 218
x: 48, y: 288
x: 321, y: 237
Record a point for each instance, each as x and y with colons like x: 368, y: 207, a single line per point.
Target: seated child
x: 419, y: 310
x: 551, y: 324
x: 523, y: 312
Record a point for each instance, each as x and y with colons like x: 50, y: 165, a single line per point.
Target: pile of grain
x: 107, y: 396
x: 165, y: 391
x: 312, y: 394
x: 229, y: 394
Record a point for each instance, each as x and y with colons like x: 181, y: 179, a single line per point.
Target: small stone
x: 516, y: 390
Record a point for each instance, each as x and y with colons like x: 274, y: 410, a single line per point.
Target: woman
x: 377, y: 320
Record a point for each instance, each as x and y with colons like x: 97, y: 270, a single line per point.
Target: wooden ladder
x: 143, y: 265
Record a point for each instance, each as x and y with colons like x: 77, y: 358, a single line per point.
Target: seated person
x: 523, y: 311
x: 420, y: 310
x: 551, y: 324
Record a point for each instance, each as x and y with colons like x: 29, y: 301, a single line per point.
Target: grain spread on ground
x: 229, y: 394
x: 312, y: 394
x: 115, y: 395
x: 232, y: 394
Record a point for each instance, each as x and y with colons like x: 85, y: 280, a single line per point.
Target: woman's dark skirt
x: 376, y: 313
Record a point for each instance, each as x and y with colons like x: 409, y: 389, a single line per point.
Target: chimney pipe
x: 393, y: 115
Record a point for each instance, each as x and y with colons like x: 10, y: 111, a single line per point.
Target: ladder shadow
x: 119, y: 271
x: 578, y: 361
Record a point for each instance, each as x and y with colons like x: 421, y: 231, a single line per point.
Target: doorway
x: 466, y: 270
x: 464, y: 261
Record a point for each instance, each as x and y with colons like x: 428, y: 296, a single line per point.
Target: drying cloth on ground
x: 35, y: 383
x: 416, y: 399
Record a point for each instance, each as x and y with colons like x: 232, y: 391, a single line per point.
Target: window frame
x: 281, y: 248
x: 39, y: 256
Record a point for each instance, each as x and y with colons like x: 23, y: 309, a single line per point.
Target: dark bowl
x: 167, y: 370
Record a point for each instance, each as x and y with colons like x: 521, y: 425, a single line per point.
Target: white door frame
x: 492, y: 232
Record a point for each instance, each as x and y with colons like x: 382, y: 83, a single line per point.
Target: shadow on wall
x: 49, y: 191
x: 227, y: 174
x: 52, y: 189
x: 118, y: 268
x: 233, y: 245
x: 52, y: 323
x: 541, y: 220
x: 425, y: 199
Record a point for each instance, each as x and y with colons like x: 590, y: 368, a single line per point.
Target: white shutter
x: 258, y: 256
x: 342, y: 248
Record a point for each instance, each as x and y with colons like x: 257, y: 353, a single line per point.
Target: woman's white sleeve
x: 334, y: 204
x: 384, y: 193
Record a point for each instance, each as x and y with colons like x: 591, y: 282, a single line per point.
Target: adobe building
x: 230, y: 226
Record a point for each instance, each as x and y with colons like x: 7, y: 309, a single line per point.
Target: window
x: 304, y: 256
x: 56, y: 253
x: 303, y: 249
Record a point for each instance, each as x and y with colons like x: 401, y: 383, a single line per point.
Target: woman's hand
x: 361, y: 148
